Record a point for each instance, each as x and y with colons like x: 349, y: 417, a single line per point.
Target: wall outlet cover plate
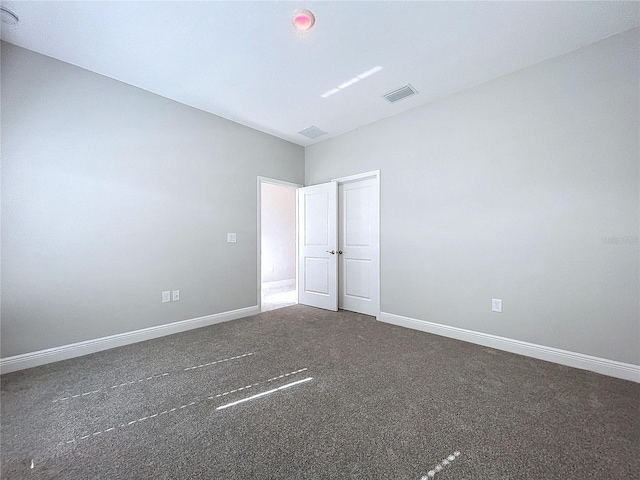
x: 496, y: 305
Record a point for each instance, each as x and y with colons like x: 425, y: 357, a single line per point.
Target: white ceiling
x: 244, y: 61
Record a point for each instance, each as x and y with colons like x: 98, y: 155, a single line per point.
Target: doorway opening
x: 277, y: 243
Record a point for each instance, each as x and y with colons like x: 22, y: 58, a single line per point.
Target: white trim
x: 42, y: 357
x: 274, y: 181
x: 358, y: 176
x: 282, y: 183
x: 612, y: 368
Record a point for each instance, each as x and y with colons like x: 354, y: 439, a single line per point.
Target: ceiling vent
x: 312, y: 132
x: 399, y: 93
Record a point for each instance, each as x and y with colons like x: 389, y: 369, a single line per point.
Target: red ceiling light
x: 303, y: 20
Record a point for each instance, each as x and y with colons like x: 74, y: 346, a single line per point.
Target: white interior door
x: 318, y: 245
x: 359, y: 246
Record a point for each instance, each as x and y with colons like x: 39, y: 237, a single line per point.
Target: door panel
x: 357, y: 274
x: 316, y: 219
x: 317, y: 271
x: 359, y: 243
x: 357, y: 225
x: 318, y: 268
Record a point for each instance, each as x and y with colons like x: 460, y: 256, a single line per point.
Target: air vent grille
x: 312, y: 132
x: 399, y: 93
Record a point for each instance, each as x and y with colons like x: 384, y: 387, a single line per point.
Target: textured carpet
x: 384, y: 402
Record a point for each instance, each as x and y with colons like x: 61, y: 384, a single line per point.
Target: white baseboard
x: 42, y: 357
x: 612, y: 368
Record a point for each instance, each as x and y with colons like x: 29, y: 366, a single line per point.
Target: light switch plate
x: 175, y: 295
x: 496, y: 305
x: 166, y: 296
x: 231, y: 238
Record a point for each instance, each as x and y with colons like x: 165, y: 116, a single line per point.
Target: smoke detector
x: 8, y: 17
x: 400, y: 93
x: 303, y: 20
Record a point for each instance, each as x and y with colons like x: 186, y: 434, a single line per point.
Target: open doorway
x: 278, y: 285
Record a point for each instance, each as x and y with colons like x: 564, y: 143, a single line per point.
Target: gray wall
x: 110, y: 195
x: 525, y: 188
x: 278, y: 231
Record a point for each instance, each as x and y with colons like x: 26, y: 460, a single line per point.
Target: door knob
x: 332, y: 252
x: 339, y: 252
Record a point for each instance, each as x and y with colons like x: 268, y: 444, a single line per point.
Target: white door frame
x: 282, y: 183
x: 375, y: 175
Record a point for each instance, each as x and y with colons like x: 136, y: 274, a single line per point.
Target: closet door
x: 318, y: 245
x: 359, y: 247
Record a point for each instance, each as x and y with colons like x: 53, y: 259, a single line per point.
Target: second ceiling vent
x: 312, y: 132
x: 400, y: 93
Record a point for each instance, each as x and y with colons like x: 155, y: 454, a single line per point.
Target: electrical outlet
x: 166, y: 296
x: 176, y: 295
x: 496, y: 305
x: 231, y: 238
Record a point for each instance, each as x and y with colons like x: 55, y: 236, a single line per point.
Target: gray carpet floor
x: 383, y: 402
